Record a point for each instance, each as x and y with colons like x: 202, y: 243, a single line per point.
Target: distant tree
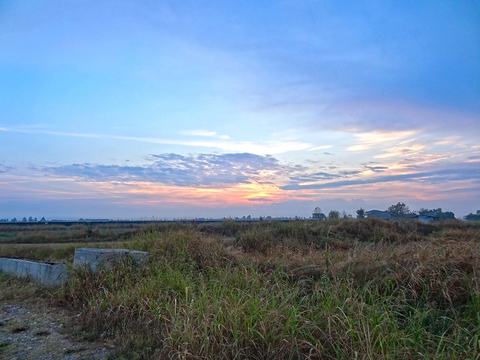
x: 24, y: 219
x: 43, y: 219
x: 473, y: 217
x: 345, y: 215
x: 14, y: 220
x: 249, y: 217
x: 441, y: 215
x: 334, y: 214
x: 445, y: 215
x: 30, y: 219
x: 35, y: 220
x: 423, y: 211
x: 360, y: 213
x: 398, y: 210
x: 318, y: 214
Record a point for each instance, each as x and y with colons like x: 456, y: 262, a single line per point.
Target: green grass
x: 7, y: 236
x: 299, y: 290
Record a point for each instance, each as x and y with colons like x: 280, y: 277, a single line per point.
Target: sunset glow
x: 126, y: 109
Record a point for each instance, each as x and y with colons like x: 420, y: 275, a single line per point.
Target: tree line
x: 397, y: 211
x: 30, y: 219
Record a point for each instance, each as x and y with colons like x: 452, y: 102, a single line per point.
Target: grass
x: 56, y: 233
x: 348, y: 289
x: 24, y: 290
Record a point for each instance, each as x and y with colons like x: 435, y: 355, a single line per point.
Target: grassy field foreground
x: 348, y: 289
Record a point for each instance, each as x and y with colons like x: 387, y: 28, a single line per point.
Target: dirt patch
x: 41, y: 333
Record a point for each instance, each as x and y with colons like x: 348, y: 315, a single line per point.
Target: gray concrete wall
x: 104, y: 259
x: 48, y: 273
x: 55, y: 273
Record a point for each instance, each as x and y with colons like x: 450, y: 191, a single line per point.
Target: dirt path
x: 40, y: 333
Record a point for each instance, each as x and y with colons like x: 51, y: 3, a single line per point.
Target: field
x: 58, y: 233
x: 340, y: 289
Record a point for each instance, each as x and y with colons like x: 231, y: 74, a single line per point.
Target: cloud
x: 367, y: 140
x: 321, y: 147
x: 435, y: 176
x: 451, y: 140
x: 401, y: 151
x: 307, y: 178
x: 475, y: 158
x: 174, y: 169
x: 415, y: 162
x: 259, y: 199
x: 349, y: 173
x: 202, y: 170
x: 203, y: 132
x: 263, y: 148
x: 376, y: 168
x: 398, y: 115
x: 5, y: 168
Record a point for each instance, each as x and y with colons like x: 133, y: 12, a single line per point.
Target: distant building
x: 378, y: 214
x: 409, y: 216
x: 428, y: 216
x: 319, y: 216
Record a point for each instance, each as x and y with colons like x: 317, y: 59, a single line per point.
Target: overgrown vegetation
x: 339, y: 289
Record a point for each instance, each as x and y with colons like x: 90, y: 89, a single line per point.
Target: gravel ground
x: 40, y: 333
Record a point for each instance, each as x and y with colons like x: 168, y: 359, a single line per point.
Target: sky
x: 165, y: 109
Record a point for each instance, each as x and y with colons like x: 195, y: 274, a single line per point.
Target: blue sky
x: 134, y: 109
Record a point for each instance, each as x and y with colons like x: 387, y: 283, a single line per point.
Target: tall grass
x: 290, y: 290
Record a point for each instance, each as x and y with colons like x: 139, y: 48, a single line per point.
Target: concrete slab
x: 50, y: 273
x: 104, y: 259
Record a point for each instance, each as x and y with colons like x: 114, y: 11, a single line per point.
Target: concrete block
x: 50, y: 273
x: 104, y: 259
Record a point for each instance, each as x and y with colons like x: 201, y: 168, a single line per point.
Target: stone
x: 104, y: 259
